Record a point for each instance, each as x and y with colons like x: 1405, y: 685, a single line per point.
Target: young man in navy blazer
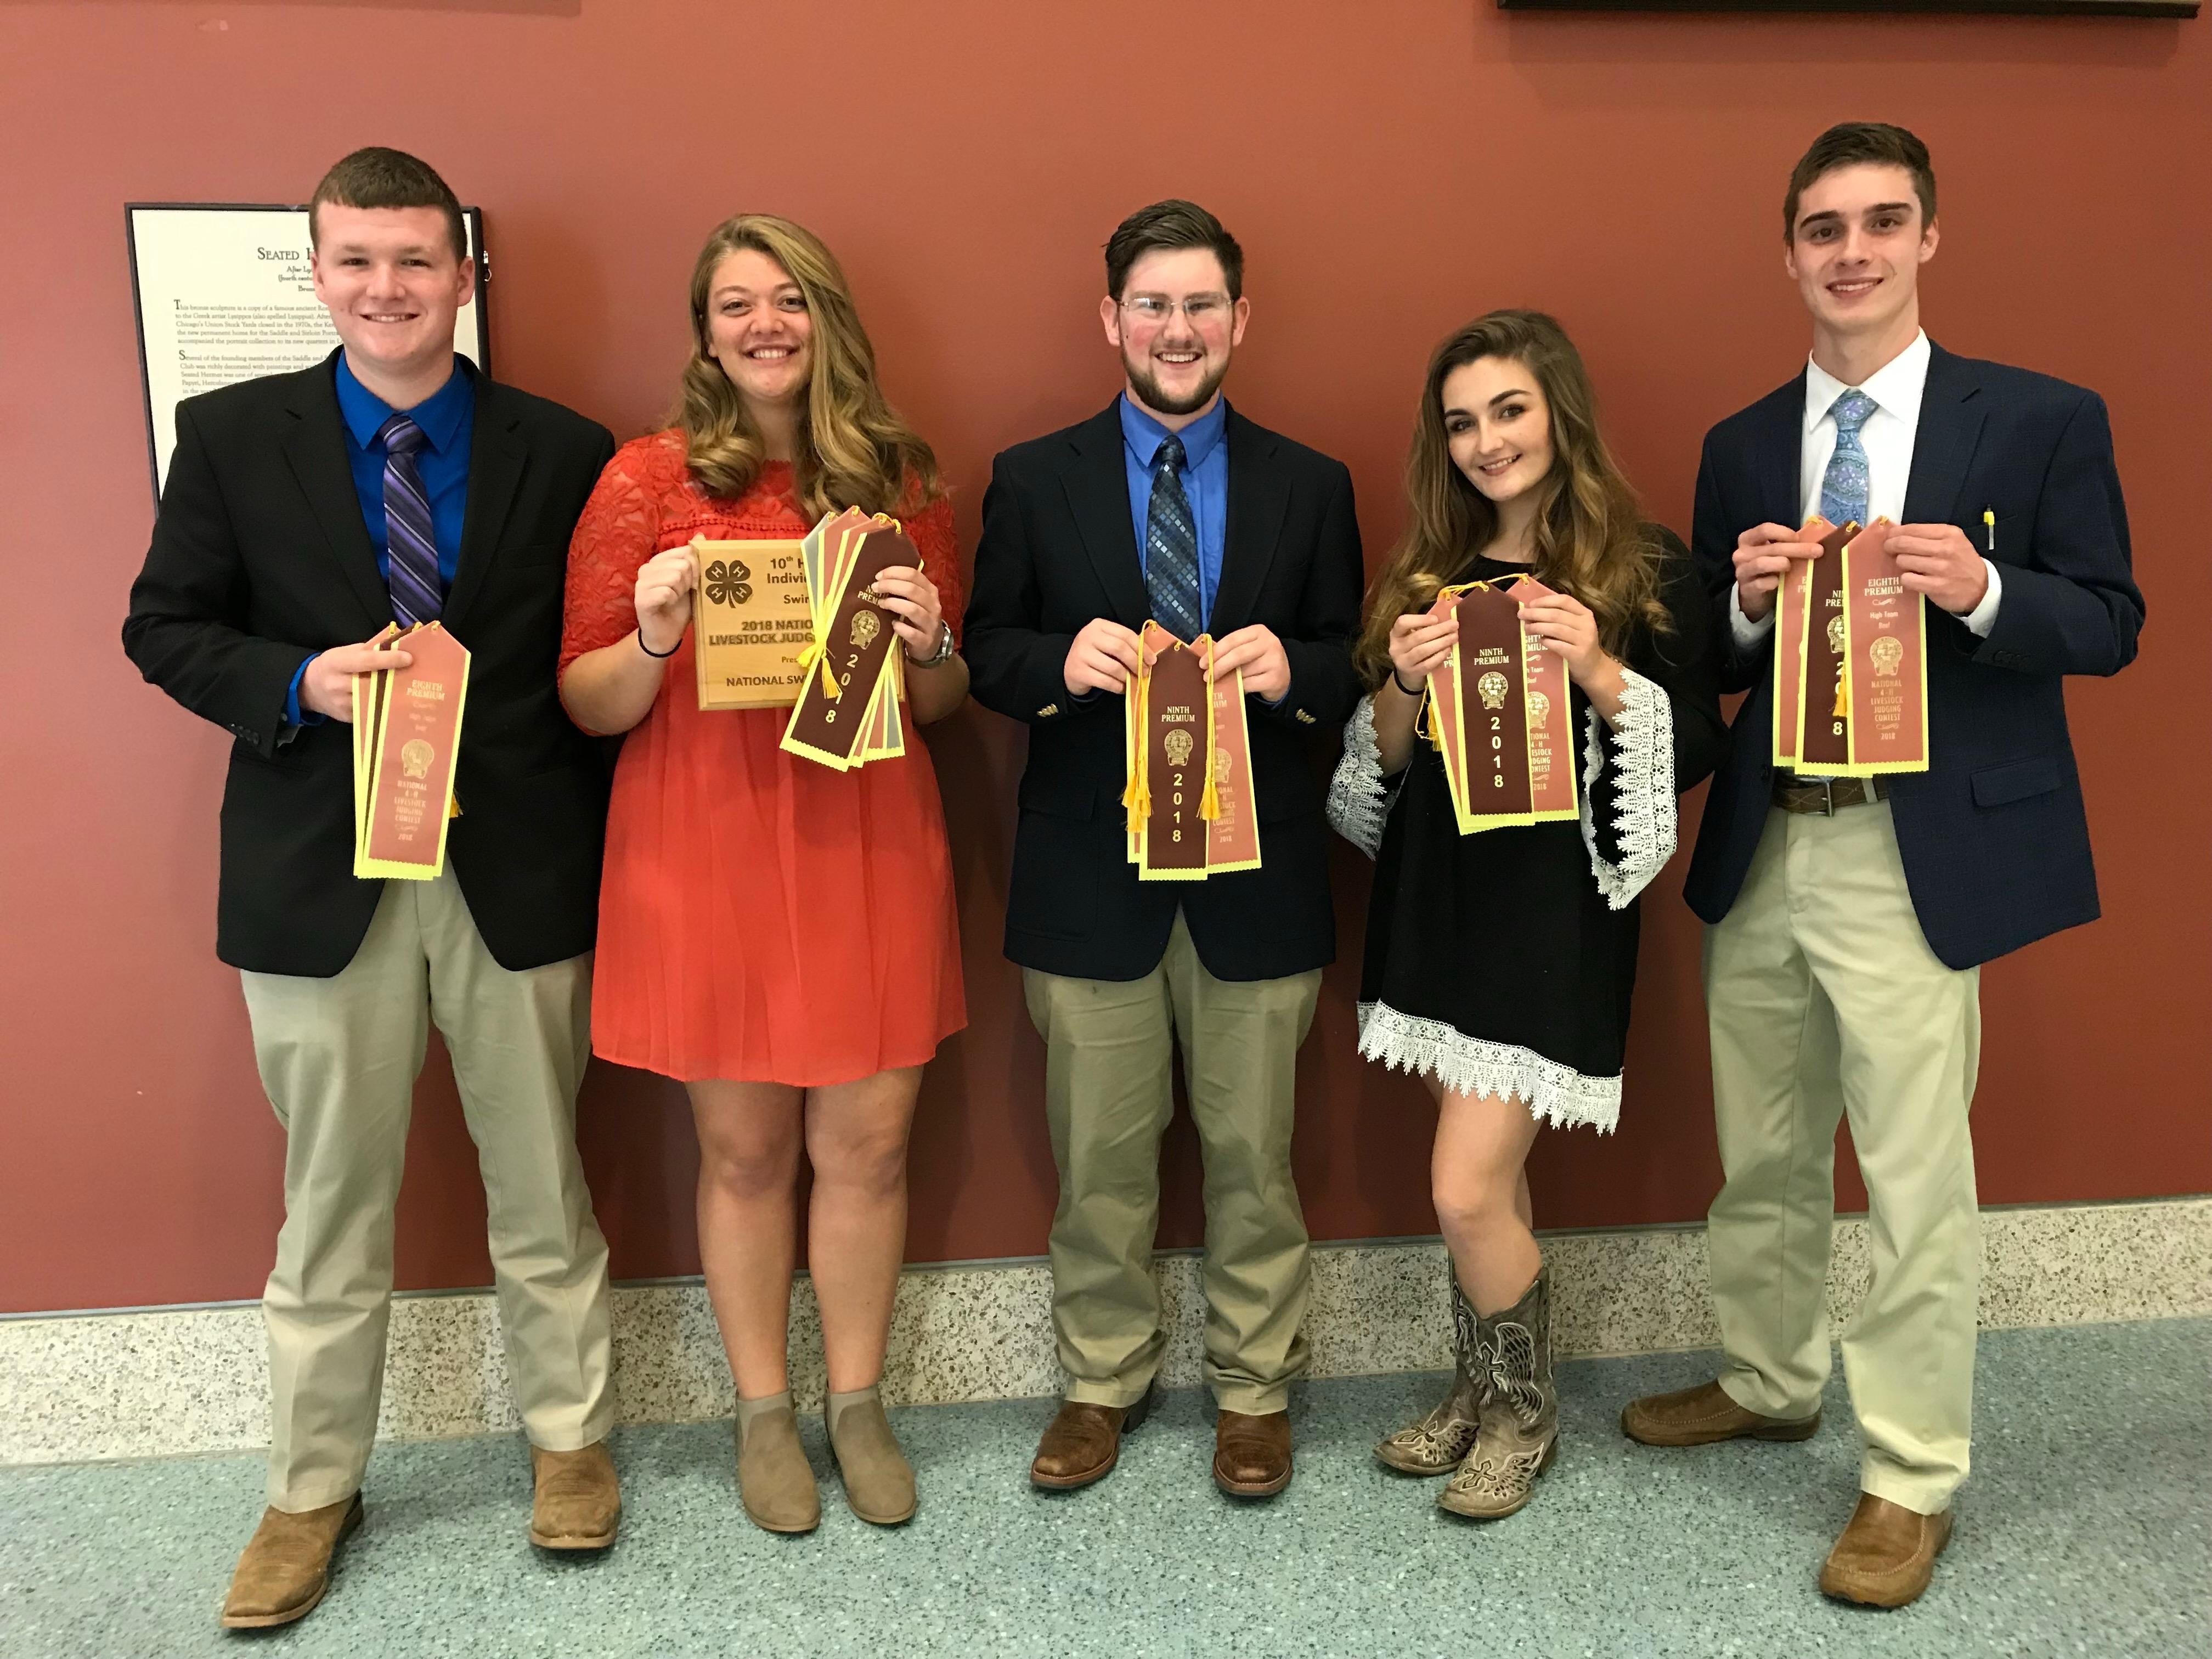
x: 1170, y: 505
x: 1849, y: 918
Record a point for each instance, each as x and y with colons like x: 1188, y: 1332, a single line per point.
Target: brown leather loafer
x: 1252, y: 1454
x: 577, y: 1502
x: 1083, y: 1442
x: 1704, y: 1415
x: 286, y: 1565
x: 1885, y: 1555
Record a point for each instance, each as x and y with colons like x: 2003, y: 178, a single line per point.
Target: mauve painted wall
x: 1392, y: 170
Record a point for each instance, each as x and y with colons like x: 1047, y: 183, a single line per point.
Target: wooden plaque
x: 749, y: 621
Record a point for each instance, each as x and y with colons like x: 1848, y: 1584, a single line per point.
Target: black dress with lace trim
x: 1504, y: 961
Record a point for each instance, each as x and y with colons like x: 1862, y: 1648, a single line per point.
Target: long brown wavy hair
x: 852, y: 450
x: 1590, y: 539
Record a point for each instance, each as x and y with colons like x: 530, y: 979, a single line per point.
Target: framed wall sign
x: 223, y: 294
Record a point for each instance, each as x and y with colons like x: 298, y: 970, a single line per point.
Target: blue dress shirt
x: 447, y: 417
x: 1205, y: 482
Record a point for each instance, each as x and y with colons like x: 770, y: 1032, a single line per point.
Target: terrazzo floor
x: 2086, y: 1529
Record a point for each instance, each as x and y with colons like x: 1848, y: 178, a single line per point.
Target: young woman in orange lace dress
x: 778, y: 935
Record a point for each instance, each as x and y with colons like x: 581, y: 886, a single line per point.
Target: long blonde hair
x: 851, y: 449
x: 1590, y: 540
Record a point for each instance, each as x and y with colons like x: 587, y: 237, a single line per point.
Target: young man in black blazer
x: 1168, y: 505
x: 1850, y: 917
x: 302, y: 513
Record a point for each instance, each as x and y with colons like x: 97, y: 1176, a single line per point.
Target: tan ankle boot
x: 775, y: 1481
x: 286, y: 1565
x: 1439, y: 1440
x: 879, y: 1480
x: 1519, y: 1438
x: 576, y: 1503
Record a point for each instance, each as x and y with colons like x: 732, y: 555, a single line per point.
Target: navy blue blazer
x: 1058, y: 549
x: 1994, y: 840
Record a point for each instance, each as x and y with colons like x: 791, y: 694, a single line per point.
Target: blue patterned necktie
x: 1171, y: 546
x: 411, y: 567
x: 1844, y: 486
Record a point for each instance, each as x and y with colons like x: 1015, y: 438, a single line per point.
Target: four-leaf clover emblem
x: 728, y: 584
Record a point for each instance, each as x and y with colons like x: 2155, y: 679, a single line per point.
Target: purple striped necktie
x: 411, y: 568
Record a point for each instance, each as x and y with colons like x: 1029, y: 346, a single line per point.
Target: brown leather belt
x: 1825, y: 795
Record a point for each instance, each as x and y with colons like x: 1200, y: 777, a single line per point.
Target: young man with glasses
x: 1168, y: 505
x: 1849, y: 916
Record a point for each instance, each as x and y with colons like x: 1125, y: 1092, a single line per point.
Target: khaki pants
x: 1824, y: 998
x: 338, y: 1058
x: 1110, y: 1047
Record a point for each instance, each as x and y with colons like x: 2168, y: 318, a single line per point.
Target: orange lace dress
x: 763, y: 917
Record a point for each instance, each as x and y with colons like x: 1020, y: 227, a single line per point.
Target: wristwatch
x: 939, y: 657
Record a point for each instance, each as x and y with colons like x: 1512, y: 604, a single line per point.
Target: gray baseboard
x: 156, y: 1382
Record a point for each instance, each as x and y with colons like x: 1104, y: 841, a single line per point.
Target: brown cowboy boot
x: 1251, y: 1453
x: 286, y: 1565
x: 1439, y: 1440
x: 1083, y: 1442
x: 575, y: 1502
x: 1519, y: 1438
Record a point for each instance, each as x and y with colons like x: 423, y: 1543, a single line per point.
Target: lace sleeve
x: 1360, y: 796
x: 930, y: 530
x: 615, y: 535
x: 1642, y: 791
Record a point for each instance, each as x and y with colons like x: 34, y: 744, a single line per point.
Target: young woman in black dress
x: 1499, y: 964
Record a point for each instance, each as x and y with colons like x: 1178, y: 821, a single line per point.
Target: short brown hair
x: 1171, y: 224
x: 380, y: 178
x: 1862, y: 143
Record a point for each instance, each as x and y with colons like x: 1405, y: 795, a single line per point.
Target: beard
x: 1155, y: 397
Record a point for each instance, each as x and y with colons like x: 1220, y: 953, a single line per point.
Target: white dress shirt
x: 1897, y: 388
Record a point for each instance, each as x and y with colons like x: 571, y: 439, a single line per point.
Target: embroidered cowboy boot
x: 1519, y: 1437
x: 1439, y: 1440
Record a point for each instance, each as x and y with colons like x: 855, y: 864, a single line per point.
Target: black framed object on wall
x: 2011, y: 8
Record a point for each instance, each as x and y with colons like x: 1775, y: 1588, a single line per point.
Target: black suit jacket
x: 260, y: 556
x: 1058, y: 550
x: 1994, y: 840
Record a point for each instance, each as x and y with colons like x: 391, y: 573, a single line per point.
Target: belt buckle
x: 1828, y: 797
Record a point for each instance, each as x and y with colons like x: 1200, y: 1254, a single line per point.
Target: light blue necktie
x: 1171, y: 546
x: 411, y: 548
x: 1844, y: 486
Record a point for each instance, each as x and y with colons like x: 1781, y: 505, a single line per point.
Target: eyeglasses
x: 1199, y: 310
